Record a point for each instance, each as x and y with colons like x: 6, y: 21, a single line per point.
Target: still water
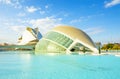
x: 26, y: 65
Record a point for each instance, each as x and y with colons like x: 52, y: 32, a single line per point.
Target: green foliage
x: 111, y: 46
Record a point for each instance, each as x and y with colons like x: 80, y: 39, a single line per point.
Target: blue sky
x: 100, y: 19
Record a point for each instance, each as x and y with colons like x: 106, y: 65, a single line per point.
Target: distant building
x: 30, y: 36
x: 65, y: 39
x: 4, y: 44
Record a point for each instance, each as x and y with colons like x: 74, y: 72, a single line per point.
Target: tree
x: 111, y: 46
x: 116, y: 47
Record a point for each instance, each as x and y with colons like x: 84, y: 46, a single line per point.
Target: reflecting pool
x: 26, y: 65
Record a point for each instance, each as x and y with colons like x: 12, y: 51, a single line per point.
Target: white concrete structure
x: 66, y: 38
x: 30, y: 36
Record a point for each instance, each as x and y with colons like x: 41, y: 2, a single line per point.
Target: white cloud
x: 14, y: 3
x: 21, y: 14
x: 85, y: 18
x: 6, y: 1
x: 42, y: 12
x: 112, y: 3
x: 46, y: 6
x: 94, y: 30
x: 31, y: 9
x: 45, y: 24
x: 80, y: 19
x: 18, y: 29
x: 75, y: 21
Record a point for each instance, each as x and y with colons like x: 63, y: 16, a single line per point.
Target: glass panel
x: 59, y: 38
x: 45, y: 46
x: 80, y: 47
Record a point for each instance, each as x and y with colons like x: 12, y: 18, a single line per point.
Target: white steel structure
x: 30, y: 36
x: 66, y: 39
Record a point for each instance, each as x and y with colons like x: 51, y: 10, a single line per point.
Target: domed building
x: 67, y: 39
x: 30, y: 36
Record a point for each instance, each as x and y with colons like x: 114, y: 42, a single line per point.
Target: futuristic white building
x: 30, y: 37
x: 65, y: 39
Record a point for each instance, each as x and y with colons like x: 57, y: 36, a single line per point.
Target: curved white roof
x: 78, y: 35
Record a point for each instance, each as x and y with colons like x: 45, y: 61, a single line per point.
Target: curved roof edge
x: 77, y: 34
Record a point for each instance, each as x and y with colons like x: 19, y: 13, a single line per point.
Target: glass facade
x: 45, y: 46
x: 53, y: 42
x: 79, y: 47
x: 59, y: 38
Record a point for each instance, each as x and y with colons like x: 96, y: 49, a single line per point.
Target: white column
x: 73, y: 44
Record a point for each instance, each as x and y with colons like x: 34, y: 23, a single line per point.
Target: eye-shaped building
x: 65, y: 39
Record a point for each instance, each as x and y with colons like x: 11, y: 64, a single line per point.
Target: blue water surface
x: 26, y: 65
